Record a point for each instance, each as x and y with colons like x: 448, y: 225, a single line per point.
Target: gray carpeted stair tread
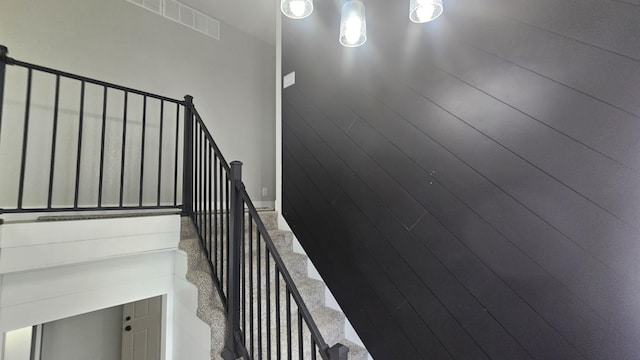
x: 189, y: 244
x: 195, y: 257
x: 331, y: 324
x: 312, y: 292
x: 356, y: 352
x: 282, y: 239
x: 210, y: 309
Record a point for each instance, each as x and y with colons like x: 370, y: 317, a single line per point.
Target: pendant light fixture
x: 296, y: 9
x: 353, y: 25
x: 422, y: 11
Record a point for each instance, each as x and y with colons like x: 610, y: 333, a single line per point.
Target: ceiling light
x: 353, y: 25
x: 422, y: 11
x: 296, y: 9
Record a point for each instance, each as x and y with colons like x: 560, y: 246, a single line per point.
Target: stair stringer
x: 329, y: 317
x: 202, y: 298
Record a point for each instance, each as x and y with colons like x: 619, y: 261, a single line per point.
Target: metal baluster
x: 160, y: 152
x: 250, y: 255
x: 259, y: 287
x: 78, y: 156
x: 175, y: 166
x: 313, y: 348
x: 218, y: 259
x: 300, y: 341
x: 288, y: 304
x: 278, y: 331
x: 144, y: 133
x: 102, y: 142
x: 228, y: 200
x: 268, y: 297
x: 25, y: 137
x: 222, y: 228
x: 124, y: 139
x: 52, y: 163
x: 202, y: 197
x: 243, y: 276
x: 196, y: 178
x: 211, y: 228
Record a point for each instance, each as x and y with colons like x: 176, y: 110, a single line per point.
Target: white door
x: 141, y: 322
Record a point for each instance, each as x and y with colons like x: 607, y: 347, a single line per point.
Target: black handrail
x: 12, y: 61
x: 213, y: 196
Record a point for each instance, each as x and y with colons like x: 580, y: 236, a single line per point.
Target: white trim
x: 264, y: 205
x: 38, y: 343
x: 278, y: 134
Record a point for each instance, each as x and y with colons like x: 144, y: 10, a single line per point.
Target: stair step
x: 187, y: 230
x: 312, y: 292
x: 219, y: 220
x: 356, y: 352
x: 330, y: 322
x: 195, y: 257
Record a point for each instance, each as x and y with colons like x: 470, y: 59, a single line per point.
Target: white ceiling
x: 254, y: 17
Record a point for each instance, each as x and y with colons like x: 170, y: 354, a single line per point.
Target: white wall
x: 136, y: 258
x: 17, y: 344
x: 56, y: 285
x: 84, y: 336
x: 231, y: 79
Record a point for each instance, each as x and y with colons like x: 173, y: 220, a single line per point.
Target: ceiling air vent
x: 182, y: 14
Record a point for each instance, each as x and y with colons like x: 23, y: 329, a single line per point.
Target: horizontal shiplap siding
x: 469, y: 188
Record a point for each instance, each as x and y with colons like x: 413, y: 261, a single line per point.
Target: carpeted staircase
x: 331, y: 323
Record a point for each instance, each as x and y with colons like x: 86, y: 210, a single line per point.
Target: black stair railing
x: 134, y: 163
x: 118, y: 147
x: 267, y: 317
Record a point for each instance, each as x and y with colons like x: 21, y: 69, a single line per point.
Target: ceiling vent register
x: 182, y: 14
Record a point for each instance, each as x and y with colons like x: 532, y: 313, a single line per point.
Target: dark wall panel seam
x: 519, y: 156
x: 449, y: 270
x: 583, y: 92
x: 362, y: 116
x: 544, y: 124
x: 339, y: 156
x: 586, y: 43
x: 491, y: 226
x: 364, y: 245
x: 324, y: 222
x: 529, y: 162
x: 506, y: 238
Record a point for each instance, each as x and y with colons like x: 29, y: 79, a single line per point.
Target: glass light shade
x: 353, y: 25
x: 422, y: 11
x: 296, y: 9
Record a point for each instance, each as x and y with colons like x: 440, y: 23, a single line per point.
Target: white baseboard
x: 264, y: 205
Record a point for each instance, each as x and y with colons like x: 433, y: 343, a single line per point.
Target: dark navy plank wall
x: 470, y: 188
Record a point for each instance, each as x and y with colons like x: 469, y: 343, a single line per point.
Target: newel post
x: 338, y: 352
x: 187, y: 161
x: 3, y: 67
x: 233, y: 297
